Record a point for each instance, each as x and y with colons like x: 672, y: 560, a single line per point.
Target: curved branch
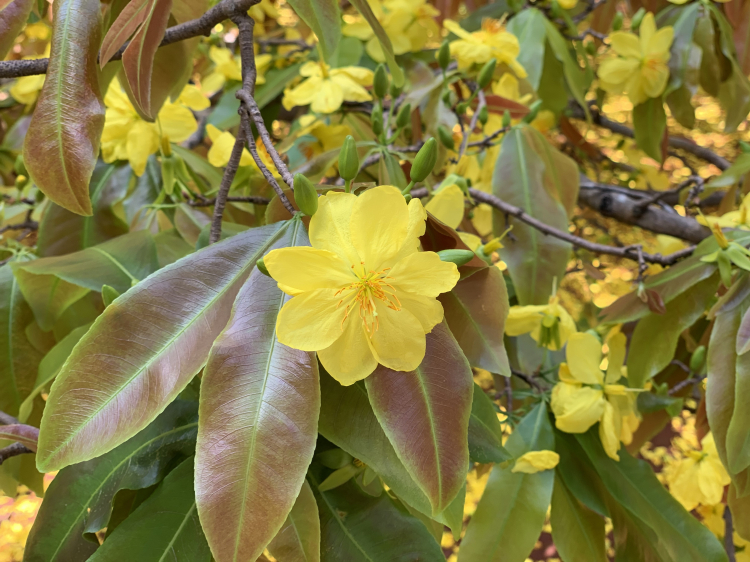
x: 13, y: 451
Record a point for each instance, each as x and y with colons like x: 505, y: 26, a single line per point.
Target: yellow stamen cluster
x: 368, y: 287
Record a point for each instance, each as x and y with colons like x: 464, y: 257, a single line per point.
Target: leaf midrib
x: 117, y: 264
x: 433, y: 431
x: 11, y: 322
x: 534, y: 235
x: 177, y: 532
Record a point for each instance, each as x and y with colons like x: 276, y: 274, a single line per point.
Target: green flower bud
x: 424, y: 161
x: 305, y: 195
x: 395, y: 90
x: 21, y: 181
x: 617, y: 22
x: 635, y: 23
x: 348, y: 159
x: 506, y: 119
x: 462, y: 107
x: 446, y: 138
x: 376, y: 120
x: 380, y: 82
x: 447, y: 97
x: 403, y: 118
x: 261, y: 265
x: 459, y: 257
x: 109, y: 294
x: 591, y: 48
x: 443, y: 55
x: 486, y: 74
x: 698, y: 359
x: 20, y: 166
x: 534, y: 111
x: 168, y: 173
x: 484, y: 115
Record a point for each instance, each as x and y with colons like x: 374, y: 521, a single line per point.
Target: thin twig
x: 729, y: 535
x: 487, y: 141
x: 13, y: 451
x: 266, y: 172
x: 527, y: 379
x: 26, y: 225
x: 683, y: 384
x: 226, y: 182
x: 7, y: 419
x: 481, y: 102
x: 257, y: 200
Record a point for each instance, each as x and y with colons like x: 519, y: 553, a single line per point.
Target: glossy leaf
x: 24, y: 434
x: 397, y: 75
x: 170, y: 318
x: 13, y: 16
x: 164, y: 527
x: 738, y: 14
x: 577, y: 80
x: 475, y: 310
x: 578, y: 532
x: 79, y: 500
x: 62, y: 143
x: 130, y: 18
x: 485, y: 431
x: 734, y: 93
x: 298, y: 540
x: 649, y: 124
x: 655, y: 338
x: 324, y: 18
x: 528, y: 26
x: 259, y: 410
x: 511, y: 513
x: 357, y: 527
x: 425, y: 414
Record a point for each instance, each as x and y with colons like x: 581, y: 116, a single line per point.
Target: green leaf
x: 348, y: 53
x: 734, y: 174
x: 390, y: 171
x: 684, y: 27
x: 528, y: 26
x: 578, y: 80
x: 164, y: 527
x: 298, y: 540
x: 425, y: 415
x: 170, y: 318
x: 485, y: 431
x: 13, y: 16
x: 79, y: 500
x: 476, y: 310
x: 655, y: 338
x: 324, y: 18
x: 357, y: 527
x: 243, y: 504
x: 578, y: 532
x: 62, y: 143
x: 62, y: 232
x: 533, y: 259
x: 397, y: 75
x: 511, y: 513
x: 649, y: 124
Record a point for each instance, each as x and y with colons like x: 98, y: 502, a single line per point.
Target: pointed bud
x: 168, y: 173
x: 447, y: 97
x: 446, y: 138
x: 698, y: 359
x: 591, y: 48
x: 395, y: 90
x: 19, y: 166
x: 486, y: 74
x: 531, y: 115
x: 718, y: 233
x: 380, y: 83
x: 459, y: 257
x: 109, y: 294
x: 635, y: 23
x: 376, y: 121
x: 484, y: 115
x: 617, y: 22
x: 403, y: 117
x: 444, y: 55
x: 349, y: 159
x: 506, y: 119
x: 261, y: 265
x: 462, y: 107
x: 424, y: 161
x: 305, y: 195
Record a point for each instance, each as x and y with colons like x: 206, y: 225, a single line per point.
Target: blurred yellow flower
x: 127, y: 136
x: 567, y: 4
x: 508, y: 87
x: 640, y: 69
x: 227, y: 67
x: 363, y: 294
x: 222, y: 144
x: 38, y: 31
x: 325, y: 88
x: 733, y: 219
x: 492, y: 41
x: 328, y: 137
x: 262, y: 10
x: 447, y: 205
x: 536, y: 461
x: 585, y: 395
x: 698, y: 478
x: 550, y: 324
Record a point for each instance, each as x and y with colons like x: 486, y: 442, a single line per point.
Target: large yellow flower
x: 326, y: 88
x: 698, y: 478
x: 549, y: 324
x: 585, y: 395
x: 127, y: 136
x: 363, y: 294
x: 641, y: 68
x: 492, y: 41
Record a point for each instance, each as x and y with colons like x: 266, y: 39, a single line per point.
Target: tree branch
x: 257, y: 200
x: 226, y: 182
x: 13, y: 451
x: 7, y: 419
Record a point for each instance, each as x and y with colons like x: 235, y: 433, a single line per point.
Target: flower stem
x: 348, y: 186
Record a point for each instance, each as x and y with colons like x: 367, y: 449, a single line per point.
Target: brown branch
x: 257, y: 200
x: 226, y: 182
x: 729, y: 535
x: 7, y: 419
x: 472, y: 124
x: 25, y: 225
x: 13, y: 451
x: 266, y: 172
x: 528, y: 379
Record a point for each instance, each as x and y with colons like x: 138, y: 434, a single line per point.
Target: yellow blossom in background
x: 326, y: 88
x: 640, y: 69
x: 328, y: 137
x: 585, y: 395
x: 698, y: 478
x: 222, y: 144
x: 492, y: 41
x: 447, y: 205
x: 126, y: 136
x: 262, y: 10
x: 550, y: 324
x: 227, y: 67
x: 567, y: 4
x: 733, y: 219
x: 536, y: 461
x: 363, y: 294
x: 38, y: 31
x: 26, y: 89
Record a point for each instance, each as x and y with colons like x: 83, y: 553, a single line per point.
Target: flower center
x: 364, y: 293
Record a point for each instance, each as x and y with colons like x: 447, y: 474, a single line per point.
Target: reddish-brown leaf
x: 13, y: 16
x: 738, y: 14
x: 258, y: 424
x: 577, y: 139
x: 425, y: 414
x: 438, y: 237
x: 498, y: 104
x: 24, y: 434
x: 131, y: 17
x: 62, y: 143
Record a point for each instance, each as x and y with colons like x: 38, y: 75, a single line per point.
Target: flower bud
x: 447, y: 97
x: 617, y: 22
x: 305, y: 195
x: 484, y: 115
x: 168, y: 173
x: 109, y: 294
x: 459, y: 257
x: 635, y: 23
x: 534, y: 111
x: 380, y: 82
x: 486, y: 74
x: 506, y: 119
x: 395, y: 90
x: 698, y: 359
x: 424, y: 161
x: 492, y: 246
x: 20, y: 167
x: 349, y: 159
x: 591, y: 48
x: 404, y: 116
x: 261, y: 265
x: 376, y: 121
x: 462, y: 107
x: 446, y: 138
x: 444, y: 55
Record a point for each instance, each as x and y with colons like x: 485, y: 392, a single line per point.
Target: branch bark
x: 13, y: 451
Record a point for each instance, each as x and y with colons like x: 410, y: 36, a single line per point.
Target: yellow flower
x: 568, y: 4
x: 325, y: 88
x: 222, y: 144
x: 328, y: 137
x: 128, y: 137
x: 38, y: 31
x: 550, y: 324
x: 363, y: 294
x: 492, y: 41
x: 265, y: 8
x: 26, y: 89
x: 641, y: 68
x: 585, y: 395
x: 447, y: 205
x: 227, y: 67
x: 536, y: 461
x: 733, y: 219
x: 698, y: 478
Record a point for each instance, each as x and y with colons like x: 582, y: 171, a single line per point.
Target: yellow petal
x: 507, y: 87
x: 427, y: 310
x: 303, y: 94
x: 618, y: 71
x: 349, y: 359
x: 647, y: 29
x: 616, y: 357
x: 328, y: 97
x: 359, y: 29
x: 350, y: 89
x: 448, y: 205
x: 536, y: 461
x: 213, y: 83
x: 307, y: 269
x: 661, y: 41
x: 609, y: 430
x: 362, y: 76
x: 311, y: 321
x: 177, y: 122
x: 142, y: 142
x: 584, y: 354
x: 576, y: 408
x: 399, y: 340
x: 423, y: 273
x: 416, y: 228
x: 329, y: 227
x: 194, y: 98
x: 456, y: 29
x: 654, y: 79
x: 221, y: 149
x: 471, y: 240
x: 626, y: 44
x: 523, y: 319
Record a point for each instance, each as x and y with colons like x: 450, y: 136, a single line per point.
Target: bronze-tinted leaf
x: 425, y: 414
x: 298, y: 540
x: 143, y: 350
x: 13, y: 16
x: 258, y: 423
x: 131, y: 17
x: 24, y: 434
x: 438, y: 237
x: 476, y: 310
x: 62, y: 143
